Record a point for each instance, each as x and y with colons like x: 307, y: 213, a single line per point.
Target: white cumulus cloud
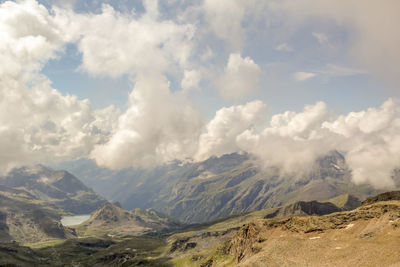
x: 37, y: 122
x: 241, y: 77
x: 114, y: 44
x: 157, y: 127
x: 228, y: 123
x: 291, y: 142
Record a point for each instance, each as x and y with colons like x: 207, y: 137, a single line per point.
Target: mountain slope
x: 33, y: 200
x: 57, y: 187
x: 345, y: 202
x: 27, y: 219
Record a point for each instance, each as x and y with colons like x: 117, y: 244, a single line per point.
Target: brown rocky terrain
x: 366, y: 236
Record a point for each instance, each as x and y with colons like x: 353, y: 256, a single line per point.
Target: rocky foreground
x: 367, y: 236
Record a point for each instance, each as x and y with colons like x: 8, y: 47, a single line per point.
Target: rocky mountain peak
x: 333, y: 160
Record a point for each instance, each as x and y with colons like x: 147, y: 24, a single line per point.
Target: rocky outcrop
x: 205, y: 239
x: 243, y: 244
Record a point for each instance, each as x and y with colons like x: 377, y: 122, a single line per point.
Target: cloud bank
x: 160, y: 123
x: 37, y: 123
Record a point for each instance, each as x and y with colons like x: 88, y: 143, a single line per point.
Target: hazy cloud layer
x: 225, y: 19
x: 191, y: 80
x: 368, y: 138
x: 373, y: 25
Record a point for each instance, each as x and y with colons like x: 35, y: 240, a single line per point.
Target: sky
x: 140, y: 83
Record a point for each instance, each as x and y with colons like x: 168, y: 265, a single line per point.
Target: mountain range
x: 196, y: 192
x: 290, y: 222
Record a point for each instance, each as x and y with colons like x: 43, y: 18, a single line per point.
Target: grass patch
x: 106, y: 252
x: 44, y: 244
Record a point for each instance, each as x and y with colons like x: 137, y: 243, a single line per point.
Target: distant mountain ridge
x: 219, y: 186
x: 60, y: 188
